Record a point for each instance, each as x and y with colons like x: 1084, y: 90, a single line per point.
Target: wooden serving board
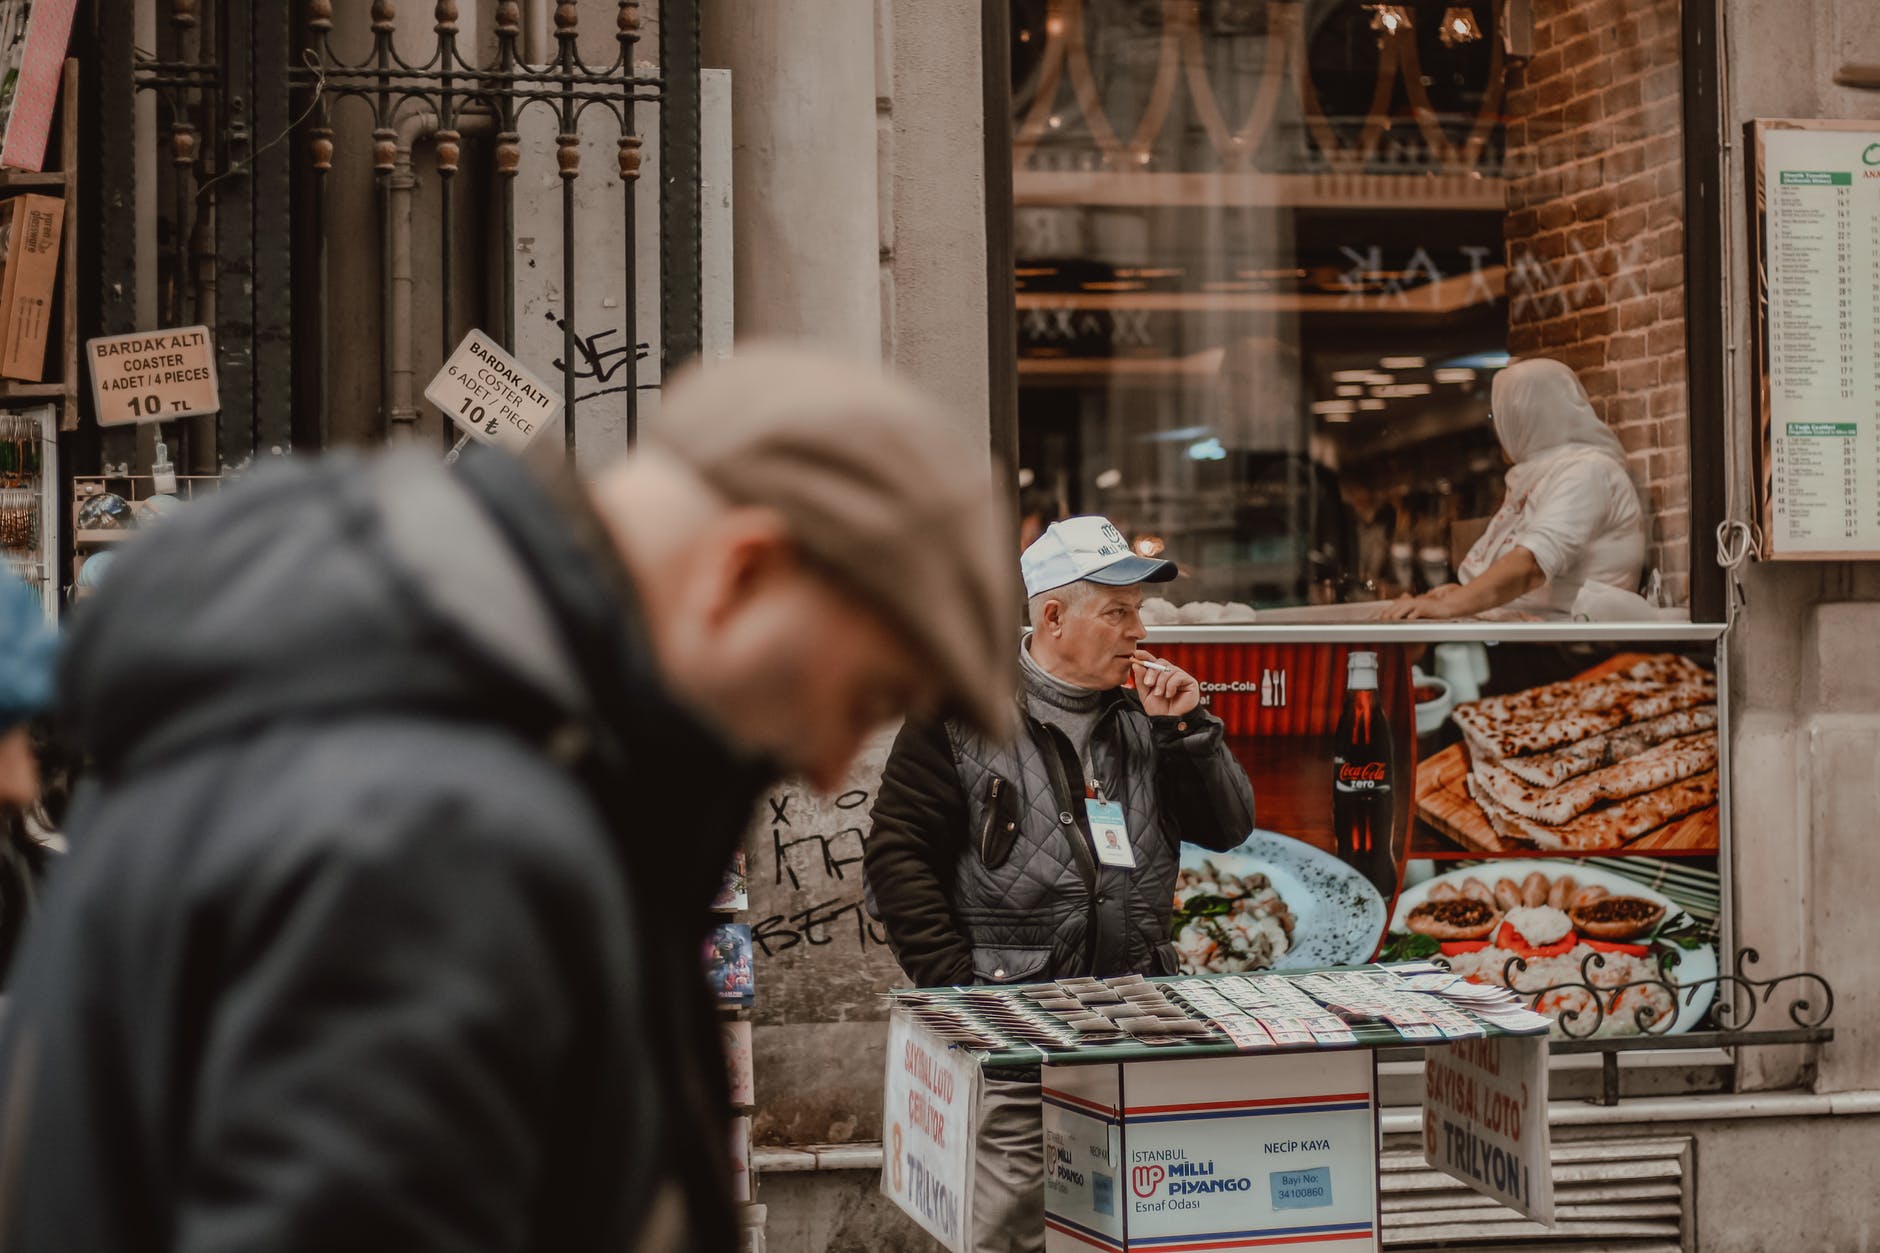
x: 1444, y: 803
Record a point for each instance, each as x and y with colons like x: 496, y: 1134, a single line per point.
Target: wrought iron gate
x: 250, y: 129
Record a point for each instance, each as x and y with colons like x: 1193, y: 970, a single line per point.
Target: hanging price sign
x: 153, y: 376
x: 491, y: 396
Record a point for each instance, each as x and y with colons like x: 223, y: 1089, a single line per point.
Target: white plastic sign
x: 153, y: 376
x: 491, y: 396
x: 928, y: 1128
x: 1485, y: 1119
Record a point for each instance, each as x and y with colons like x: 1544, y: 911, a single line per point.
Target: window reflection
x: 1273, y: 254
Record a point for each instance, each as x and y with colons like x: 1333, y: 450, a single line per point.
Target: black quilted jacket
x: 980, y: 865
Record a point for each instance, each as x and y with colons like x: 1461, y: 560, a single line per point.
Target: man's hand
x: 1166, y: 693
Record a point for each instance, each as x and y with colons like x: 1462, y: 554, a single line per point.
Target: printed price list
x: 1822, y: 269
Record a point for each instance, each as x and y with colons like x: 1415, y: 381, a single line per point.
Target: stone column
x: 805, y: 217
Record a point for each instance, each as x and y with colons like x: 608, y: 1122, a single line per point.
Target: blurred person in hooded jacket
x: 1569, y: 539
x: 28, y: 648
x: 383, y: 920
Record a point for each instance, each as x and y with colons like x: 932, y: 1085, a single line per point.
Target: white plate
x: 1694, y: 965
x: 1338, y: 917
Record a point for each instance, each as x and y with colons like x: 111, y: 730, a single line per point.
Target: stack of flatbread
x: 1595, y: 763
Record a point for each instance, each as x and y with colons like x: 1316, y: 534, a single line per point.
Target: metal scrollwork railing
x: 246, y: 97
x: 1582, y: 1007
x: 1590, y: 1010
x: 451, y: 94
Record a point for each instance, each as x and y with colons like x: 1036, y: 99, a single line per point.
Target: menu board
x: 1818, y: 329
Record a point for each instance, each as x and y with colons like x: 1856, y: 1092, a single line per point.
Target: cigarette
x: 1155, y: 665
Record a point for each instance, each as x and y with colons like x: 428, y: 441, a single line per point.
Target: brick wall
x: 1595, y: 235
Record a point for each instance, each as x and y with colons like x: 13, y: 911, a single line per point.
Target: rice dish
x: 1539, y: 924
x: 1226, y: 923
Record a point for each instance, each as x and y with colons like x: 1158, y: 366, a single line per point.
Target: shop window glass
x: 1272, y: 255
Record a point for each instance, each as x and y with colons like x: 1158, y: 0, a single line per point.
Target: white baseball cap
x: 1087, y: 549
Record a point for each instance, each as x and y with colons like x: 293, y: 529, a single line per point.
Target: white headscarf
x: 1539, y: 406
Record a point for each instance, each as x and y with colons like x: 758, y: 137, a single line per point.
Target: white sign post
x: 153, y: 376
x: 927, y: 1126
x: 1485, y: 1119
x: 491, y: 396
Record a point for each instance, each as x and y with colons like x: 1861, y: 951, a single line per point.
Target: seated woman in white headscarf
x: 1569, y: 541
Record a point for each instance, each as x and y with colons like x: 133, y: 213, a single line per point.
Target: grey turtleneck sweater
x: 1072, y: 709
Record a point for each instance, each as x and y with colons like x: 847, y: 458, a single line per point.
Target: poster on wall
x: 1567, y: 829
x: 1542, y: 817
x: 1325, y: 733
x: 1816, y: 235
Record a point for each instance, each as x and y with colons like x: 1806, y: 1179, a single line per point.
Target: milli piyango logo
x: 1871, y: 155
x: 1144, y: 1180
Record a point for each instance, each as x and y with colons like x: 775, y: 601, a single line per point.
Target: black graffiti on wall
x: 826, y: 865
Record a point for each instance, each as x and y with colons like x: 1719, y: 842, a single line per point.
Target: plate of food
x: 1273, y: 903
x: 1556, y: 915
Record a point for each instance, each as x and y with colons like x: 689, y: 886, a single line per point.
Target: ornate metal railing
x: 453, y: 89
x: 1642, y: 1011
x: 242, y: 89
x: 1594, y: 999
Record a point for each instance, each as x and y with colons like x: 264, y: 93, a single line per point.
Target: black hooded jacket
x: 382, y: 923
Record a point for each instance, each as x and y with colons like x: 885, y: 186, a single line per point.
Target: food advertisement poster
x: 1551, y: 811
x: 927, y: 1131
x: 1326, y: 735
x: 1485, y: 1120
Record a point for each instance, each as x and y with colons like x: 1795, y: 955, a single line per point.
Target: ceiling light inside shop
x: 1455, y: 376
x: 1493, y: 360
x: 1056, y: 121
x: 1401, y: 363
x: 1337, y: 417
x: 1109, y: 479
x: 1459, y: 26
x: 1350, y: 389
x: 1204, y: 450
x: 1351, y: 376
x: 1371, y: 406
x: 1389, y: 18
x: 1176, y: 435
x: 1401, y: 391
x: 1025, y: 477
x: 1150, y: 546
x: 1325, y: 408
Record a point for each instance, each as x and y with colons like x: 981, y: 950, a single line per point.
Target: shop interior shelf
x: 100, y: 537
x: 14, y: 389
x: 11, y: 179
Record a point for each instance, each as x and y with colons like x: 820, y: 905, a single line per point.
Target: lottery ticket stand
x: 1250, y: 1122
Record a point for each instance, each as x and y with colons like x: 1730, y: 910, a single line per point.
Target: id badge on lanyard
x: 1110, y: 833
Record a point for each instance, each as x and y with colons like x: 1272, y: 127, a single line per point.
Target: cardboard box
x: 29, y: 251
x: 1278, y: 1151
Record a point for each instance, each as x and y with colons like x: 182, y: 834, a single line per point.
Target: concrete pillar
x: 937, y: 197
x: 803, y: 160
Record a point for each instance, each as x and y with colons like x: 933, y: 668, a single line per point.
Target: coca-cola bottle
x: 1363, y: 800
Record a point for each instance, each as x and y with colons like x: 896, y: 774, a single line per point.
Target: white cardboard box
x: 1278, y: 1151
